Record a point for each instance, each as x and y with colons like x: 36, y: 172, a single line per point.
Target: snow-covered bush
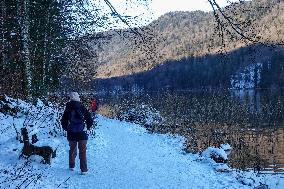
x: 226, y: 147
x: 219, y: 155
x: 142, y: 114
x: 6, y: 107
x: 17, y: 107
x: 36, y: 117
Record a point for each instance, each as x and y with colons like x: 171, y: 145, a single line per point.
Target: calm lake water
x: 251, y: 121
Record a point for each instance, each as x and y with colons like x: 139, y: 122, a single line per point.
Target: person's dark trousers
x: 82, y: 145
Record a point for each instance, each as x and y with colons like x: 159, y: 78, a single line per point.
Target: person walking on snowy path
x: 94, y: 108
x: 74, y: 119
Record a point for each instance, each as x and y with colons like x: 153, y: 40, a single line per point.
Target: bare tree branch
x: 229, y: 22
x: 115, y: 13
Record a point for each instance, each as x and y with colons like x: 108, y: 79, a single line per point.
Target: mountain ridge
x: 178, y: 36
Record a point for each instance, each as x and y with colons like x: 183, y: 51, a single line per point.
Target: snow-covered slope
x: 121, y: 155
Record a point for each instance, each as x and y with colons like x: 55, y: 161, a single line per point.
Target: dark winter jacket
x: 65, y: 121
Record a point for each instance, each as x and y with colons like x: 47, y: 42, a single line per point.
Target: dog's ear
x: 34, y: 138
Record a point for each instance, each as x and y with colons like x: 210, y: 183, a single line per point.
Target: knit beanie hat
x: 74, y: 96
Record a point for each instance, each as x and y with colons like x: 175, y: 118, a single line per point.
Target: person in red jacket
x: 93, y: 108
x: 94, y: 105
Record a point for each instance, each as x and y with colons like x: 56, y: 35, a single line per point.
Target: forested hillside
x: 207, y: 72
x: 189, y: 45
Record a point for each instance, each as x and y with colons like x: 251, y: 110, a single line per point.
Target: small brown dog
x: 29, y: 149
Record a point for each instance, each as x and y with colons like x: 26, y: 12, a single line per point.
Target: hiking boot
x: 71, y: 169
x: 83, y: 172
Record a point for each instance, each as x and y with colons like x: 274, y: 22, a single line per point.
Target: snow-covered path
x: 124, y: 155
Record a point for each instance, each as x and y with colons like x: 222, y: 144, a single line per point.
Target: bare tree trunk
x: 44, y: 77
x: 46, y: 62
x: 25, y: 52
x: 2, y: 48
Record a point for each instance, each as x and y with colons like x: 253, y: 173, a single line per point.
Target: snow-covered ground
x: 121, y: 155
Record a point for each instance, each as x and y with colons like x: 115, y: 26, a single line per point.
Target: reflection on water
x: 259, y: 148
x: 248, y: 96
x: 252, y: 122
x: 262, y: 146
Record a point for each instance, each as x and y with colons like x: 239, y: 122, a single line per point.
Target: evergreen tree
x: 32, y: 43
